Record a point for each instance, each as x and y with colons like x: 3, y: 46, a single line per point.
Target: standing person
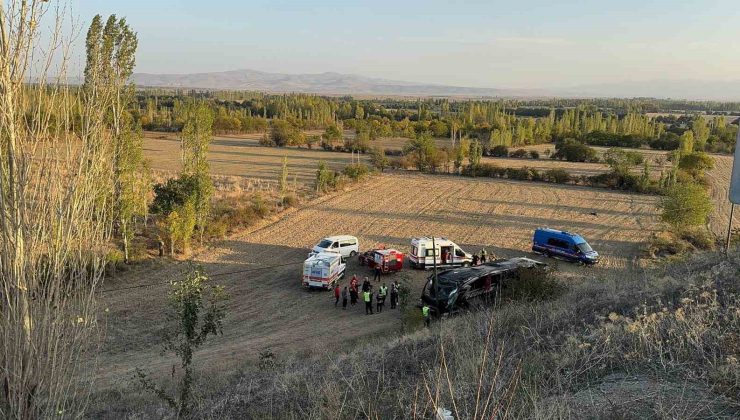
x: 344, y: 298
x: 444, y: 256
x: 475, y: 259
x: 380, y: 299
x: 366, y: 285
x: 336, y: 295
x: 367, y: 297
x: 378, y: 272
x: 483, y: 255
x: 353, y: 292
x: 394, y: 294
x: 425, y: 313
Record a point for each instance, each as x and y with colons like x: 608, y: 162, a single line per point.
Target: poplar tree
x: 110, y: 63
x: 196, y: 139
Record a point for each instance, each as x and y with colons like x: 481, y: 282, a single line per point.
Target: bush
x: 500, y: 151
x: 696, y: 164
x: 260, y: 206
x: 558, y: 176
x: 522, y: 174
x: 575, y: 152
x: 533, y: 284
x: 290, y: 200
x: 356, y: 171
x: 283, y: 133
x: 533, y: 154
x: 600, y: 138
x: 521, y: 153
x: 173, y: 193
x: 686, y: 205
x: 699, y: 236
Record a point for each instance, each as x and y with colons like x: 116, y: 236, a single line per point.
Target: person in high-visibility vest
x: 382, y: 293
x: 368, y: 297
x: 425, y: 312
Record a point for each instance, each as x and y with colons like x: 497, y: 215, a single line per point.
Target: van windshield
x: 584, y: 247
x: 325, y: 243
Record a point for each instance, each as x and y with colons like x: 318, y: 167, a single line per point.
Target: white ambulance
x: 323, y: 270
x: 447, y: 253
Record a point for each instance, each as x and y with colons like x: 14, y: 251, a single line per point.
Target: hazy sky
x: 507, y: 44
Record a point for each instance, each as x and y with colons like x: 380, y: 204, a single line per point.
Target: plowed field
x: 261, y: 269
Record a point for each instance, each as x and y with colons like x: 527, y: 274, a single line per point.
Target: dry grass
x: 663, y: 343
x: 244, y: 157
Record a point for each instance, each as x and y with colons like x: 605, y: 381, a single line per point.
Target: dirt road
x: 270, y: 310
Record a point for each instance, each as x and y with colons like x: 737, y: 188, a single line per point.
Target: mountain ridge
x: 333, y: 83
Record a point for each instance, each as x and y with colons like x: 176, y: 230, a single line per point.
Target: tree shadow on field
x: 572, y: 208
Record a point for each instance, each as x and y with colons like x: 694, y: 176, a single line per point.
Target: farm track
x: 269, y: 309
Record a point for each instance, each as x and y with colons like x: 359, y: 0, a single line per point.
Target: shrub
x: 283, y: 133
x: 522, y: 174
x: 520, y: 153
x: 698, y: 236
x: 534, y: 154
x: 558, y: 176
x: 173, y: 193
x: 500, y: 151
x: 356, y: 171
x: 696, y: 164
x: 290, y: 200
x: 533, y: 284
x: 575, y: 152
x: 686, y: 205
x: 260, y: 206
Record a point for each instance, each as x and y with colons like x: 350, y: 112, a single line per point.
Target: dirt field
x: 243, y: 156
x: 270, y: 310
x: 719, y: 182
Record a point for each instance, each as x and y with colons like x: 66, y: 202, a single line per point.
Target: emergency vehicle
x: 423, y: 255
x: 323, y: 270
x: 389, y: 260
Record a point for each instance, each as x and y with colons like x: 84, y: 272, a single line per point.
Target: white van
x: 447, y: 253
x: 344, y: 245
x: 323, y: 270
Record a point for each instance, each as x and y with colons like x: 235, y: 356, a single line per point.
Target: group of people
x: 477, y: 259
x: 480, y: 259
x: 354, y: 292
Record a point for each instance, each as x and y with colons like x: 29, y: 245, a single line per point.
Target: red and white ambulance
x: 424, y: 251
x: 323, y: 270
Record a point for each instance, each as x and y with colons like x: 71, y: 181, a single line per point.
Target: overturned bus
x: 462, y: 287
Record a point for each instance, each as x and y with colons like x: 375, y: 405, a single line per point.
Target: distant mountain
x: 322, y: 83
x: 675, y: 89
x: 339, y: 84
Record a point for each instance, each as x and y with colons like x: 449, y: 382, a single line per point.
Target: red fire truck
x: 390, y: 260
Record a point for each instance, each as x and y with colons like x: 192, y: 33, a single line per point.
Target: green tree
x: 475, y: 154
x: 422, y: 151
x: 686, y: 142
x: 283, y: 181
x: 332, y: 134
x: 379, y: 159
x: 110, y: 63
x: 701, y: 132
x: 196, y: 139
x: 197, y: 311
x: 686, y: 205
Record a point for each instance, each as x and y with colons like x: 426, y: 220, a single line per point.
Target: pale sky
x: 501, y: 44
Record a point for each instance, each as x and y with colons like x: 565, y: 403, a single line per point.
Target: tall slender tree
x: 196, y: 139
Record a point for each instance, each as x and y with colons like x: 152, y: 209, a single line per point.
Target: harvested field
x: 243, y: 156
x: 270, y: 310
x: 719, y: 184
